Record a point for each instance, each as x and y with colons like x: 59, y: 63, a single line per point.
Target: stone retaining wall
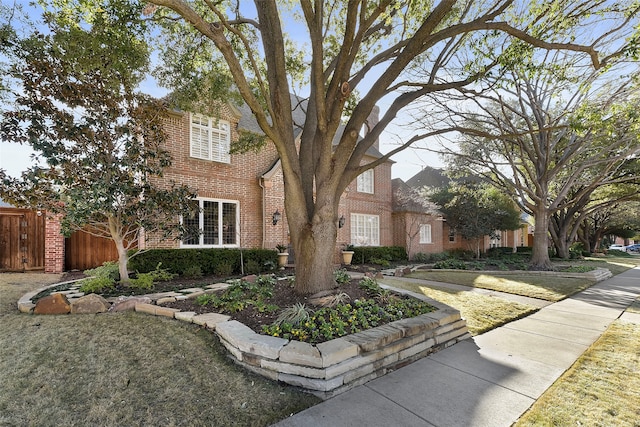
x: 596, y: 275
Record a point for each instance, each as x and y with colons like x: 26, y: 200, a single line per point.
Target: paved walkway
x: 489, y: 380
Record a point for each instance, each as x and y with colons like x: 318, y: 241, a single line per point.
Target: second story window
x: 365, y: 182
x: 210, y: 139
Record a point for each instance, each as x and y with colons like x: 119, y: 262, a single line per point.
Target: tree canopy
x: 77, y: 104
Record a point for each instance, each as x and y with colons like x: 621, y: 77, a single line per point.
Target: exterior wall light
x: 276, y: 217
x: 341, y: 221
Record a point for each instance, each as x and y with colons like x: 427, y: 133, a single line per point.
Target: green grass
x: 126, y: 369
x: 481, y: 312
x: 601, y: 389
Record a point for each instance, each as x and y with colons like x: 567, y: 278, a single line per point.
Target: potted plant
x: 283, y: 255
x: 347, y: 254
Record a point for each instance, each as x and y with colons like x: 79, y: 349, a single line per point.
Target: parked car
x: 617, y: 247
x: 633, y: 248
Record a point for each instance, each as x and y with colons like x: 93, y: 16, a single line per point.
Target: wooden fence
x: 83, y: 251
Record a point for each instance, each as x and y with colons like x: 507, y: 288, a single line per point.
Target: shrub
x: 294, y: 315
x: 365, y: 254
x: 381, y: 262
x: 463, y: 254
x: 369, y: 285
x: 252, y: 267
x: 451, y: 263
x: 192, y: 272
x: 109, y: 270
x: 147, y: 280
x: 223, y: 269
x: 96, y: 284
x: 499, y: 252
x: 179, y: 260
x: 341, y: 276
x: 423, y: 257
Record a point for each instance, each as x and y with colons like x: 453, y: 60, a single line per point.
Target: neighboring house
x: 422, y: 229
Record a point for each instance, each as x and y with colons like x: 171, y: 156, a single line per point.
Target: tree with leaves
x: 475, y: 210
x: 77, y: 105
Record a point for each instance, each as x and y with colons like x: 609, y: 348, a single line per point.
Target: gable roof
x: 407, y: 199
x: 428, y: 177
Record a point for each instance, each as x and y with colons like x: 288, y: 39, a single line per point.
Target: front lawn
x: 126, y: 369
x: 601, y: 389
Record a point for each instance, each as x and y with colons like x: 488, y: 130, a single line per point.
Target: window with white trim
x: 214, y: 224
x: 210, y: 139
x: 364, y: 182
x: 452, y: 235
x: 425, y: 233
x: 365, y: 230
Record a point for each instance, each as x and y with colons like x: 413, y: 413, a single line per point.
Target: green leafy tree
x: 476, y: 210
x: 102, y: 140
x: 349, y: 56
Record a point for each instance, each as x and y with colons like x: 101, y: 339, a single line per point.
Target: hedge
x: 365, y: 254
x: 210, y: 260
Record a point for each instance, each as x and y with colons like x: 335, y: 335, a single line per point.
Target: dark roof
x: 407, y: 199
x: 249, y: 123
x: 428, y: 177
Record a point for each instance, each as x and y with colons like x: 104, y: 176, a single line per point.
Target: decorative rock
x: 52, y: 304
x: 165, y: 300
x: 90, y: 304
x: 209, y: 320
x: 250, y: 278
x: 129, y: 304
x: 379, y: 275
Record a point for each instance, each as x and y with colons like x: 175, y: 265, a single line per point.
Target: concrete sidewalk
x: 489, y: 380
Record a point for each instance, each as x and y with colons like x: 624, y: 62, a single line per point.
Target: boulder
x: 129, y: 304
x: 250, y: 278
x: 52, y: 304
x: 90, y: 304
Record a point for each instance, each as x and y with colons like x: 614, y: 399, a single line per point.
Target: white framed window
x: 365, y: 230
x: 364, y: 182
x: 214, y: 224
x: 452, y: 235
x: 425, y: 233
x: 210, y: 139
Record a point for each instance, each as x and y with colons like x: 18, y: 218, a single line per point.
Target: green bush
x: 341, y: 276
x: 97, y: 284
x: 524, y: 250
x: 180, y: 260
x: 463, y: 254
x: 192, y: 272
x: 451, y: 263
x: 366, y: 254
x: 423, y: 257
x: 499, y: 252
x: 252, y: 267
x: 109, y: 270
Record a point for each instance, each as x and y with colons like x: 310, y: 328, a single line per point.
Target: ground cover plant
x: 481, y: 312
x: 269, y: 306
x: 601, y: 389
x: 123, y: 369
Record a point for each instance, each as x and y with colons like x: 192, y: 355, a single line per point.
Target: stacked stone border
x: 326, y: 369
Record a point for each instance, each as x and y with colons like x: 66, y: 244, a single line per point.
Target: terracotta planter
x: 347, y: 256
x: 282, y: 259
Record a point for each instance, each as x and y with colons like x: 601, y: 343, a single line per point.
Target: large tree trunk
x: 314, y: 247
x: 540, y: 257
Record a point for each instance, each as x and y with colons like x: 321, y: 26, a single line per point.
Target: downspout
x: 264, y: 207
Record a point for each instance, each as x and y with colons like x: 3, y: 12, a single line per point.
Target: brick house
x: 238, y: 195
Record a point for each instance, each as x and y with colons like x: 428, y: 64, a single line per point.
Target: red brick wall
x: 53, y: 246
x: 407, y: 233
x: 237, y: 181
